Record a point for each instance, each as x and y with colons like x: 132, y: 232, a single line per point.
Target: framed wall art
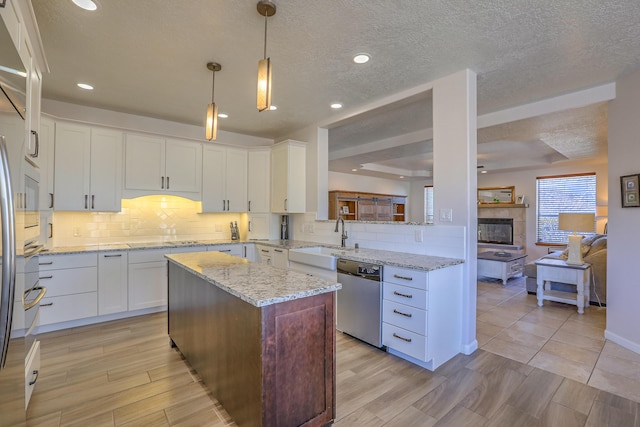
x: 630, y: 191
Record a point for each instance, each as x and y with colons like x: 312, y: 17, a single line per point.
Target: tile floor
x: 554, y: 338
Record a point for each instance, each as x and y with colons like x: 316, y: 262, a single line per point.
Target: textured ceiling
x: 148, y: 57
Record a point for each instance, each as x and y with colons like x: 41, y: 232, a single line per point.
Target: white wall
x: 416, y: 208
x: 623, y: 278
x: 525, y: 184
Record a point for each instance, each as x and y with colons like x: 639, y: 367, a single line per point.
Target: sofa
x: 594, y: 252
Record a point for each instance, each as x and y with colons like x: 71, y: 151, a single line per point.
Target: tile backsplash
x: 144, y: 219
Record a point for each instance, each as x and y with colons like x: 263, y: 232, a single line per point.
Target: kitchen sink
x: 317, y: 256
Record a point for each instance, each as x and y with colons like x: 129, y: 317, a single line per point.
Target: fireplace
x: 495, y: 230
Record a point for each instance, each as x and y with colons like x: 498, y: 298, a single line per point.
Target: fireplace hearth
x: 495, y: 230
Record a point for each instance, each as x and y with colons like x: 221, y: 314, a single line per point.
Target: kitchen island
x: 262, y: 339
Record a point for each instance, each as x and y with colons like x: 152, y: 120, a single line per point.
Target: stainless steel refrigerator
x: 13, y: 133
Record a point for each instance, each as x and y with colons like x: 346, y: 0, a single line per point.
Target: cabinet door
x: 144, y: 163
x: 183, y: 166
x: 213, y: 179
x: 384, y: 210
x: 260, y: 226
x: 72, y: 167
x: 112, y: 282
x: 147, y: 285
x: 280, y: 258
x: 258, y: 181
x: 236, y: 180
x: 279, y: 173
x: 47, y: 136
x: 106, y: 170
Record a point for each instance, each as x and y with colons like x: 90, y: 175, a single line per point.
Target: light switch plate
x: 418, y: 235
x: 446, y: 215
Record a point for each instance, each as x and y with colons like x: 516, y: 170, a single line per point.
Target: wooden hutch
x: 359, y: 206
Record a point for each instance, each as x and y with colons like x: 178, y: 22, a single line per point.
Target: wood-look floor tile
x: 510, y: 416
x: 447, y: 395
x: 411, y: 417
x: 461, y: 416
x: 499, y: 318
x: 487, y: 362
x: 540, y: 317
x: 615, y: 350
x: 581, y: 328
x: 179, y: 412
x: 534, y: 329
x: 617, y: 384
x: 202, y: 418
x: 360, y: 417
x: 515, y: 335
x: 104, y: 419
x: 575, y: 395
x: 123, y: 398
x: 51, y: 419
x: 155, y: 419
x: 559, y: 365
x: 487, y: 398
x: 512, y: 350
x: 535, y: 392
x: 488, y: 329
x: 606, y: 415
x: 557, y: 415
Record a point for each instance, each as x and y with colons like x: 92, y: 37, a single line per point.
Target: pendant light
x: 266, y: 9
x: 212, y: 110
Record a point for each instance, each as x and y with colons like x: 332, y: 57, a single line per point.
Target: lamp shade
x: 264, y: 84
x: 211, y: 128
x: 577, y: 222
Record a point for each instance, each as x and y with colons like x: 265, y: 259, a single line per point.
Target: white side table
x: 556, y: 270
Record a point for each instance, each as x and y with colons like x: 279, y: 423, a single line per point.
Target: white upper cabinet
x: 224, y: 179
x: 155, y: 165
x: 259, y: 180
x: 88, y: 168
x: 46, y: 156
x: 288, y: 179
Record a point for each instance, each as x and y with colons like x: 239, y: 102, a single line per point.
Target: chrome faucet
x: 344, y: 233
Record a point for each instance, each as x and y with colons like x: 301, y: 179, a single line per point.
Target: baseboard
x: 98, y: 319
x: 629, y: 345
x: 470, y: 348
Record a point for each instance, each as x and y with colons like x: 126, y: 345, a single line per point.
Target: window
x: 564, y: 193
x: 428, y: 204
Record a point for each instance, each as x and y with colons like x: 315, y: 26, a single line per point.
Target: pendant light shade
x: 211, y: 132
x: 266, y: 9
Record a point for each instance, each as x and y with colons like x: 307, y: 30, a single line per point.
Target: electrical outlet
x: 76, y: 232
x: 418, y: 235
x: 446, y: 215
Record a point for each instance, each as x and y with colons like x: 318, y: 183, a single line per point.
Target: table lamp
x: 576, y: 222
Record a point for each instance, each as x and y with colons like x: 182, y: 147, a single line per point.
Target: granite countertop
x: 374, y: 256
x: 255, y: 283
x: 397, y: 259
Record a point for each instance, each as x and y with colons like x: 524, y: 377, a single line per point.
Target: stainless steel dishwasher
x: 360, y: 300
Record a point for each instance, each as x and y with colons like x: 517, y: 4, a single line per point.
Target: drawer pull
x: 401, y: 338
x: 264, y: 251
x: 46, y: 263
x: 35, y: 378
x: 46, y: 304
x: 46, y: 277
x: 402, y: 314
x: 113, y: 256
x: 402, y: 277
x: 278, y: 250
x: 402, y: 295
x: 224, y: 250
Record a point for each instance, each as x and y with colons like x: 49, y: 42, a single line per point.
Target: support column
x: 455, y: 180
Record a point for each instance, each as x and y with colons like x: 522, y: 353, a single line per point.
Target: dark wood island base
x: 268, y: 366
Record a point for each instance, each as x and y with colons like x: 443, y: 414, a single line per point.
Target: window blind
x: 556, y: 194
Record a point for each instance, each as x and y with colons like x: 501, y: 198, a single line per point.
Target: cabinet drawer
x: 407, y: 342
x: 405, y: 295
x: 517, y: 266
x: 405, y: 276
x: 188, y: 249
x: 56, y: 262
x: 148, y: 255
x: 68, y: 307
x: 70, y: 281
x: 404, y: 316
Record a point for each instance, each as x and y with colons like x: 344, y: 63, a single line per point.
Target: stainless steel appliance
x: 360, y: 300
x: 15, y: 199
x: 284, y: 227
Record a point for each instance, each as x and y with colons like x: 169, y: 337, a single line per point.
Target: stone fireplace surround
x: 518, y: 213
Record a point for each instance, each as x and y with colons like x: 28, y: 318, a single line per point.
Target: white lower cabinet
x: 421, y: 314
x: 233, y: 249
x: 280, y: 258
x: 72, y: 287
x: 264, y: 254
x: 147, y: 278
x: 112, y: 282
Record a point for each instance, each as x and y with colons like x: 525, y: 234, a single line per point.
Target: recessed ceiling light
x: 401, y: 177
x: 483, y: 171
x: 85, y: 86
x: 273, y: 107
x: 86, y: 4
x: 354, y: 170
x: 361, y: 58
x: 336, y: 105
x: 223, y: 115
